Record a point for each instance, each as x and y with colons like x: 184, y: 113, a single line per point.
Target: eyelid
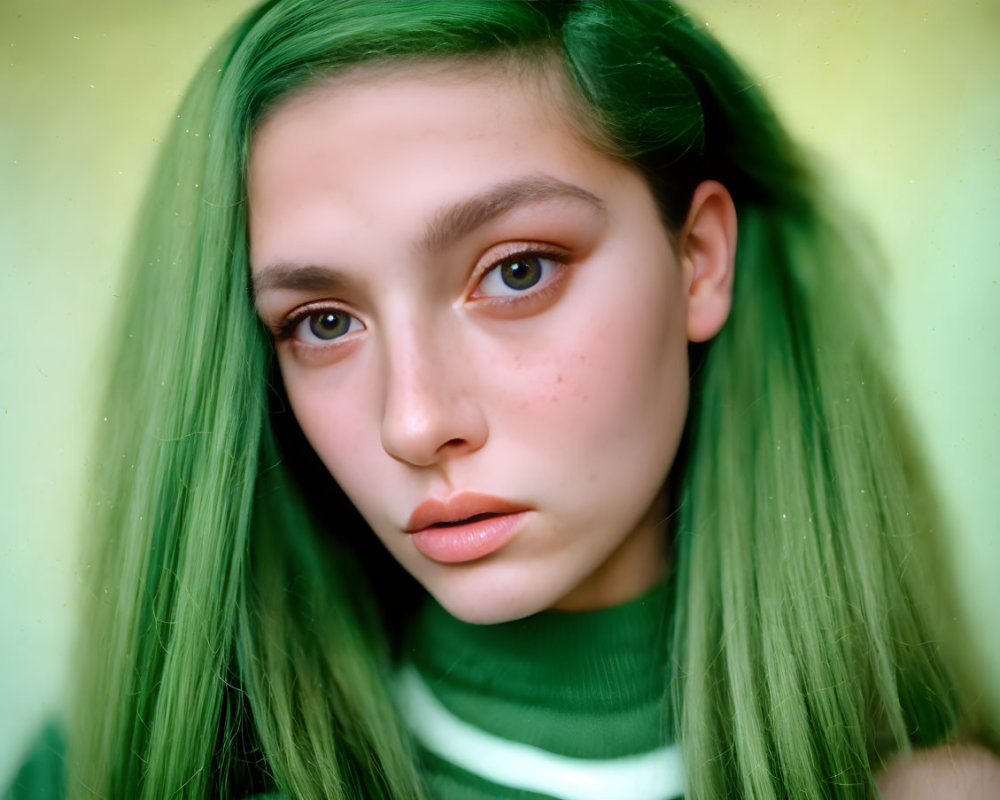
x: 494, y: 260
x: 286, y: 327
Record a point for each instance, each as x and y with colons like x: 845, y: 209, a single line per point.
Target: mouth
x: 466, y: 521
x: 466, y: 526
x: 464, y: 508
x: 469, y: 539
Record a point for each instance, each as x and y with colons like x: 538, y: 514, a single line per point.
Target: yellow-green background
x: 899, y: 99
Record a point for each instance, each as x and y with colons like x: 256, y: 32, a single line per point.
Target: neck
x: 637, y: 565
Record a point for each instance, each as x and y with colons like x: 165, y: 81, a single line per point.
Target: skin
x: 569, y: 398
x: 949, y: 772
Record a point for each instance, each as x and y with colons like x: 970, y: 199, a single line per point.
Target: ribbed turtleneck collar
x: 590, y: 684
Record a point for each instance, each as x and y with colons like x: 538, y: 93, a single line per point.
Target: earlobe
x: 708, y: 252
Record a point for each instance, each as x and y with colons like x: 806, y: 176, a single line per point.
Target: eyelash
x: 287, y: 327
x: 555, y: 257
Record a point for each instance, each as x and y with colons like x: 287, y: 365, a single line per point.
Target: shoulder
x: 948, y: 772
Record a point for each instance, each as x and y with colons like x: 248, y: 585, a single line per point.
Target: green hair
x: 234, y: 642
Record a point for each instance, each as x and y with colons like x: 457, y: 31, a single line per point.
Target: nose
x: 431, y: 410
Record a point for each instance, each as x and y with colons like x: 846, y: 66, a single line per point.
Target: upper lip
x: 459, y: 507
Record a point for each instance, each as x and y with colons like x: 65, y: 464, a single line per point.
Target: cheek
x: 333, y: 422
x: 615, y: 375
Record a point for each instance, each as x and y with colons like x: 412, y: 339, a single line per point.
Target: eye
x: 323, y: 326
x: 516, y: 274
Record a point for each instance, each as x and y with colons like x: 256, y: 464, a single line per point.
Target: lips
x: 462, y: 508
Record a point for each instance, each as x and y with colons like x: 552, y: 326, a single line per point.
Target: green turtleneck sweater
x: 557, y: 705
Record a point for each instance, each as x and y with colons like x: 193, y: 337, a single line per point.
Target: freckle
x: 558, y: 378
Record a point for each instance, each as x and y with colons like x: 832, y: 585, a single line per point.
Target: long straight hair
x: 233, y: 641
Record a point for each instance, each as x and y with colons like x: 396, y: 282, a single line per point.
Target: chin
x: 482, y: 599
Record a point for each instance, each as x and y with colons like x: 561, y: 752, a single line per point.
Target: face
x: 480, y: 322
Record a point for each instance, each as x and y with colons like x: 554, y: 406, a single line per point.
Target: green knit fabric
x: 588, y: 685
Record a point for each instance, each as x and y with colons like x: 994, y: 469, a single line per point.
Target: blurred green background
x: 900, y: 101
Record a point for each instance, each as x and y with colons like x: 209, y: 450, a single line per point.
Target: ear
x: 707, y: 251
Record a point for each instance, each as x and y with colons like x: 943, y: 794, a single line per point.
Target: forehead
x: 388, y: 141
x: 399, y: 103
x: 539, y: 77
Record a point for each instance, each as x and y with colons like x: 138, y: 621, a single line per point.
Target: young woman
x: 500, y: 415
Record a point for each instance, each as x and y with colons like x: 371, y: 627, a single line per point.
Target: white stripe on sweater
x: 656, y: 775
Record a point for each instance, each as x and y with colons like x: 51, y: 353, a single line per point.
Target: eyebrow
x: 448, y: 225
x: 299, y: 277
x: 455, y: 221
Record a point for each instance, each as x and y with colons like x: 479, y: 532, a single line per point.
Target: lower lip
x: 461, y: 543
